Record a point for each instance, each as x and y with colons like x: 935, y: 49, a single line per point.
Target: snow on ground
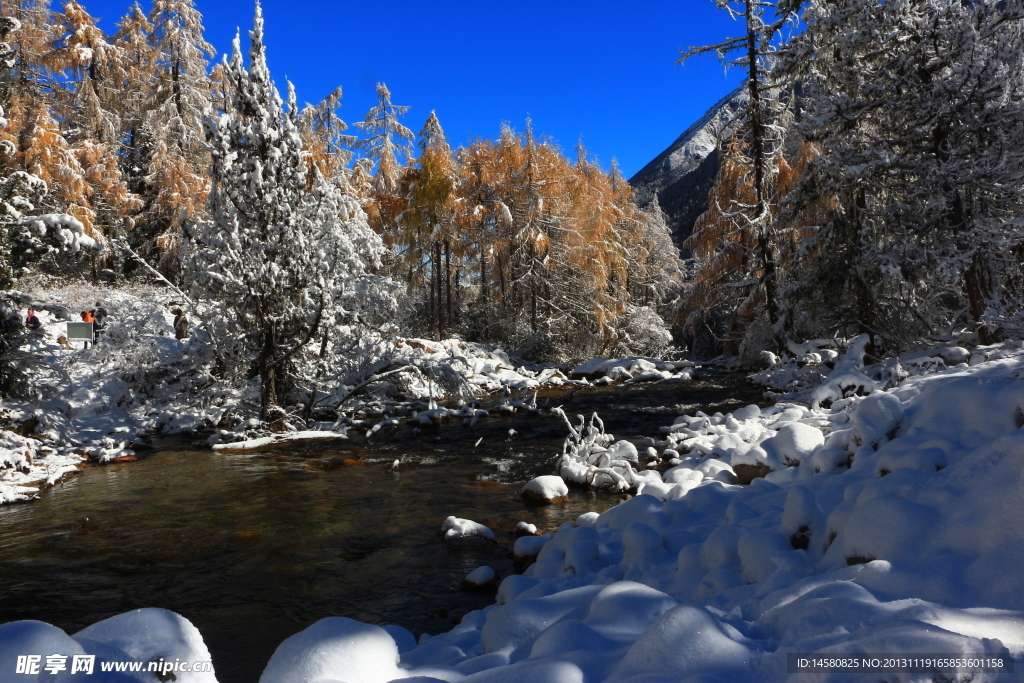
x: 26, y: 465
x: 138, y: 637
x: 97, y: 403
x: 92, y: 404
x: 888, y: 523
x: 264, y: 441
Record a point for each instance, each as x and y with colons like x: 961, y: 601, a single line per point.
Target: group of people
x: 98, y: 317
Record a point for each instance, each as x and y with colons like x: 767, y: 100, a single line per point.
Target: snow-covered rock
x: 546, y: 490
x: 455, y: 528
x: 876, y: 418
x: 633, y: 369
x: 481, y: 578
x: 146, y: 635
x: 525, y: 529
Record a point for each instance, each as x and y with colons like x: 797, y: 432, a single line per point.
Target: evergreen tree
x: 27, y: 81
x: 24, y: 237
x: 386, y: 142
x: 281, y: 251
x: 49, y: 157
x: 134, y: 73
x: 324, y: 138
x: 82, y: 52
x: 91, y: 110
x: 178, y: 179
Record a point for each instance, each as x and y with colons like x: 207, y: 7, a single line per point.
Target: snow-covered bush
x: 592, y: 458
x: 640, y: 331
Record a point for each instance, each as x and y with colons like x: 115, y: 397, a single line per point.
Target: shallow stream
x: 253, y: 547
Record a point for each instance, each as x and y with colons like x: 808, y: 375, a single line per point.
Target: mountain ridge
x: 682, y: 175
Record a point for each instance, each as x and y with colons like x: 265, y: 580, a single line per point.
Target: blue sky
x: 602, y: 70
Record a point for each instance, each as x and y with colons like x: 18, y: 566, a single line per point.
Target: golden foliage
x: 724, y: 244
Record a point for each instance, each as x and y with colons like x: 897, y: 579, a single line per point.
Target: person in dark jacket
x: 180, y: 324
x: 32, y: 323
x: 100, y: 316
x: 35, y: 329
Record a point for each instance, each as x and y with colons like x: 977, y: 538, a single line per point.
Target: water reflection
x: 277, y: 540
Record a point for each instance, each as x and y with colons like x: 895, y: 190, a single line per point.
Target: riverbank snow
x: 887, y: 524
x: 98, y: 403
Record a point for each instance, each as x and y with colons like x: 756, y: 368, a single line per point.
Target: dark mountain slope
x: 682, y: 176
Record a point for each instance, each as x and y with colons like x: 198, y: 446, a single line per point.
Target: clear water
x: 254, y: 547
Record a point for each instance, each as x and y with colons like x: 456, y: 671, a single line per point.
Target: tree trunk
x: 759, y: 157
x: 533, y: 306
x: 458, y: 290
x: 432, y: 310
x: 978, y: 288
x: 448, y: 278
x: 501, y: 281
x: 268, y: 373
x: 483, y: 277
x: 438, y: 281
x: 323, y: 345
x: 176, y: 79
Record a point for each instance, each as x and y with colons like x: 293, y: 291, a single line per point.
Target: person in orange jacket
x: 87, y: 318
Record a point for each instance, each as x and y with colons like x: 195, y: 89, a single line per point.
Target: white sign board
x: 80, y: 331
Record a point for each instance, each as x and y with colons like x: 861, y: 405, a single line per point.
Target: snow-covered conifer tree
x: 387, y: 142
x: 47, y: 155
x: 917, y: 111
x: 282, y: 249
x: 177, y: 177
x: 83, y: 54
x: 25, y: 238
x: 134, y: 71
x: 323, y: 133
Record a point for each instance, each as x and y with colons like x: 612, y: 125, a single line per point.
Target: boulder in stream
x: 546, y: 490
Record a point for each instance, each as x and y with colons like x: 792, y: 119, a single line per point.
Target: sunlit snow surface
x: 899, y: 531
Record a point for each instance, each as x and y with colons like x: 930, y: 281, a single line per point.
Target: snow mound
x: 337, y: 649
x: 24, y: 638
x: 480, y: 576
x: 150, y: 634
x: 140, y: 636
x: 877, y: 418
x: 455, y: 528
